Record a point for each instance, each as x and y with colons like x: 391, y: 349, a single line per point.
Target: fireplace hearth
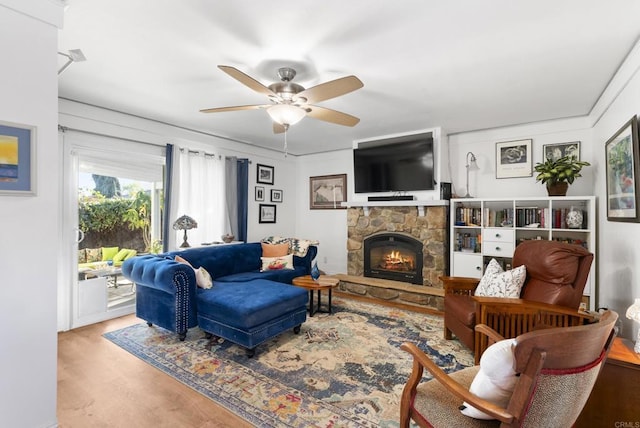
x: 394, y: 256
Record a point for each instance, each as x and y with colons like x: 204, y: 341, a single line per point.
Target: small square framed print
x: 276, y: 195
x: 267, y: 213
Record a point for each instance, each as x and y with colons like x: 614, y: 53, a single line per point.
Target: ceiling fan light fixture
x: 286, y: 114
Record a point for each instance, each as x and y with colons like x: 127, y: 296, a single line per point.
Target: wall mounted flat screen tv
x: 394, y: 165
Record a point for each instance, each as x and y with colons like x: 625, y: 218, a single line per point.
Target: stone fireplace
x: 386, y: 229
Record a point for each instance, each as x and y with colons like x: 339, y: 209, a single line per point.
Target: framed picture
x: 259, y: 193
x: 17, y: 159
x: 276, y: 195
x: 513, y: 159
x: 267, y: 213
x: 621, y: 153
x: 264, y: 174
x: 327, y: 191
x: 557, y: 151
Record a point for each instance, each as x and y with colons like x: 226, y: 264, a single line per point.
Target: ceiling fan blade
x: 234, y: 108
x: 332, y: 116
x: 331, y: 89
x: 247, y: 80
x: 277, y: 128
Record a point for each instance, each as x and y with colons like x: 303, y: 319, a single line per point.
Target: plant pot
x: 558, y: 189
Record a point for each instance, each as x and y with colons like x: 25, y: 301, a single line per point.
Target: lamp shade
x: 185, y: 223
x: 286, y: 114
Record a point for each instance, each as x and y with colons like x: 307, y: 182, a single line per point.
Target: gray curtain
x: 231, y: 183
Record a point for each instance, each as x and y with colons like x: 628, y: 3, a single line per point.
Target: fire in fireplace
x: 393, y: 256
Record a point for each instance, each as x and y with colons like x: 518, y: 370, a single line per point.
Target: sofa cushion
x: 248, y: 304
x: 497, y: 283
x: 109, y: 252
x: 276, y: 263
x: 274, y: 250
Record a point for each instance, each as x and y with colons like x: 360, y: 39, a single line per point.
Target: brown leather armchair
x: 556, y: 276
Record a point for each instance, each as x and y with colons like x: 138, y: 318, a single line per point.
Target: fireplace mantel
x: 420, y: 204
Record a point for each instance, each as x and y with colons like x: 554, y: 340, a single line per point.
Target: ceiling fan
x: 290, y: 102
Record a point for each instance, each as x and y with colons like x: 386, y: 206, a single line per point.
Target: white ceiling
x: 461, y: 65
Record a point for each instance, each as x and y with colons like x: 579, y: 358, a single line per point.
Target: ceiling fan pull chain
x: 286, y: 128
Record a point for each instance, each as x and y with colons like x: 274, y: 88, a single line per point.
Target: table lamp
x: 185, y: 223
x: 633, y: 313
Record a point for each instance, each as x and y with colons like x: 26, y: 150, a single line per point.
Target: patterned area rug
x: 343, y: 370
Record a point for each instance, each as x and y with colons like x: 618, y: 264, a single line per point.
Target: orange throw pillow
x: 275, y: 250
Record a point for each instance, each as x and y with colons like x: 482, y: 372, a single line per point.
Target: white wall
x: 329, y: 227
x: 29, y: 243
x: 619, y: 266
x: 483, y: 183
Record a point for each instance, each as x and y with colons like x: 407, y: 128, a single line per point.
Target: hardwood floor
x: 102, y: 385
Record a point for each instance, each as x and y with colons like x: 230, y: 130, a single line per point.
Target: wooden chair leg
x: 448, y: 335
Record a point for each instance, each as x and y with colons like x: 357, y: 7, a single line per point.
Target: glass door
x: 114, y: 208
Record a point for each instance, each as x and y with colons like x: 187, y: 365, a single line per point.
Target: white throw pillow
x: 277, y: 263
x: 496, y: 379
x: 203, y: 278
x: 497, y: 283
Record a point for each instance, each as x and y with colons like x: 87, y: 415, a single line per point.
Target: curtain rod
x: 98, y: 134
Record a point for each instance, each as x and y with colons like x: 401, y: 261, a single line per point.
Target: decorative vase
x: 315, y: 272
x: 558, y: 189
x: 574, y: 218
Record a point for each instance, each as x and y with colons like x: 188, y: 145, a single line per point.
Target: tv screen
x: 394, y: 165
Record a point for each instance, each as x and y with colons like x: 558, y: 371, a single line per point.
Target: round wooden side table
x: 324, y: 282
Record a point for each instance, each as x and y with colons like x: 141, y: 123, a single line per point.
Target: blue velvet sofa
x: 244, y: 305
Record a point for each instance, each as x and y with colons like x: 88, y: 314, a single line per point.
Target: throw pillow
x: 203, y: 278
x: 82, y: 256
x: 109, y: 252
x: 120, y: 255
x: 94, y: 254
x: 274, y: 250
x: 277, y: 263
x: 497, y: 283
x: 496, y: 379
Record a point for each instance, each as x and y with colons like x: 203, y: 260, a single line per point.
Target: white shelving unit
x: 485, y: 228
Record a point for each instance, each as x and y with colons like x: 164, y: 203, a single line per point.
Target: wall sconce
x: 471, y: 166
x: 185, y: 223
x: 633, y: 313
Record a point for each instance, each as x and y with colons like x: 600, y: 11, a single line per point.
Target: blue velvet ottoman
x: 250, y: 313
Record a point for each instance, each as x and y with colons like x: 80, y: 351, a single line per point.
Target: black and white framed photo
x: 267, y: 213
x: 513, y: 159
x: 259, y: 193
x: 554, y: 152
x: 276, y: 195
x: 17, y: 159
x: 264, y: 174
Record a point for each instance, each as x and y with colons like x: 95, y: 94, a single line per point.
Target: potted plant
x: 559, y: 173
